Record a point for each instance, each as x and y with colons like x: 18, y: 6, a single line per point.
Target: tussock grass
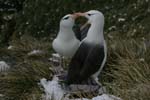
x: 21, y: 81
x: 127, y: 73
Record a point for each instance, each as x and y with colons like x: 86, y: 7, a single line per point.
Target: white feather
x: 52, y: 89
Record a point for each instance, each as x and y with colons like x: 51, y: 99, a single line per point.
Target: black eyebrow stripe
x: 92, y: 13
x: 66, y: 17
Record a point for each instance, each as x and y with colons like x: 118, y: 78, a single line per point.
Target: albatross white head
x: 94, y: 16
x: 96, y: 19
x: 68, y: 21
x: 65, y: 27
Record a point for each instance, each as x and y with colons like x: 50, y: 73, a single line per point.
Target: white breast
x: 66, y: 48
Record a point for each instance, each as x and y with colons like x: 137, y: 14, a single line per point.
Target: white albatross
x: 66, y: 43
x: 90, y: 57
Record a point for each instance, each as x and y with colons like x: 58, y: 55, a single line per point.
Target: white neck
x: 95, y: 33
x: 66, y: 34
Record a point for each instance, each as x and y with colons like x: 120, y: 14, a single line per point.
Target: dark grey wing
x: 93, y: 62
x: 80, y: 34
x: 84, y: 31
x: 76, y: 29
x: 76, y: 64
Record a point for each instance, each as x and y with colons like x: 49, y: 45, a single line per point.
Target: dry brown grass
x: 21, y: 80
x: 126, y: 74
x: 128, y: 69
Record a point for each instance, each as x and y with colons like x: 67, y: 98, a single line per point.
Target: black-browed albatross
x: 90, y: 57
x: 66, y: 43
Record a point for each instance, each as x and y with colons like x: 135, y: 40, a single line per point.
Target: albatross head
x: 93, y: 16
x: 68, y: 20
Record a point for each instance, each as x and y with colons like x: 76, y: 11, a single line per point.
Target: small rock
x: 10, y: 47
x: 4, y: 66
x: 1, y: 95
x: 112, y: 28
x: 34, y: 52
x: 56, y: 55
x: 141, y: 60
x: 121, y: 19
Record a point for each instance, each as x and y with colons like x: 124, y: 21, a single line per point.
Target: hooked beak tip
x: 78, y: 14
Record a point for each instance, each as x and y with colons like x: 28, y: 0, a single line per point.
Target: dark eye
x: 66, y: 18
x: 90, y: 14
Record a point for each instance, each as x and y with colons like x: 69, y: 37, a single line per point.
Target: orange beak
x: 79, y: 14
x: 75, y: 15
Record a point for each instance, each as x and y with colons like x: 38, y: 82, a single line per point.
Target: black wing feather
x: 76, y: 64
x: 85, y: 62
x: 93, y: 62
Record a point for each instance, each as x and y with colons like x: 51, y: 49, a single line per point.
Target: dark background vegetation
x: 41, y: 18
x: 32, y: 24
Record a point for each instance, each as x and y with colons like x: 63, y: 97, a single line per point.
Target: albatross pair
x: 88, y: 56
